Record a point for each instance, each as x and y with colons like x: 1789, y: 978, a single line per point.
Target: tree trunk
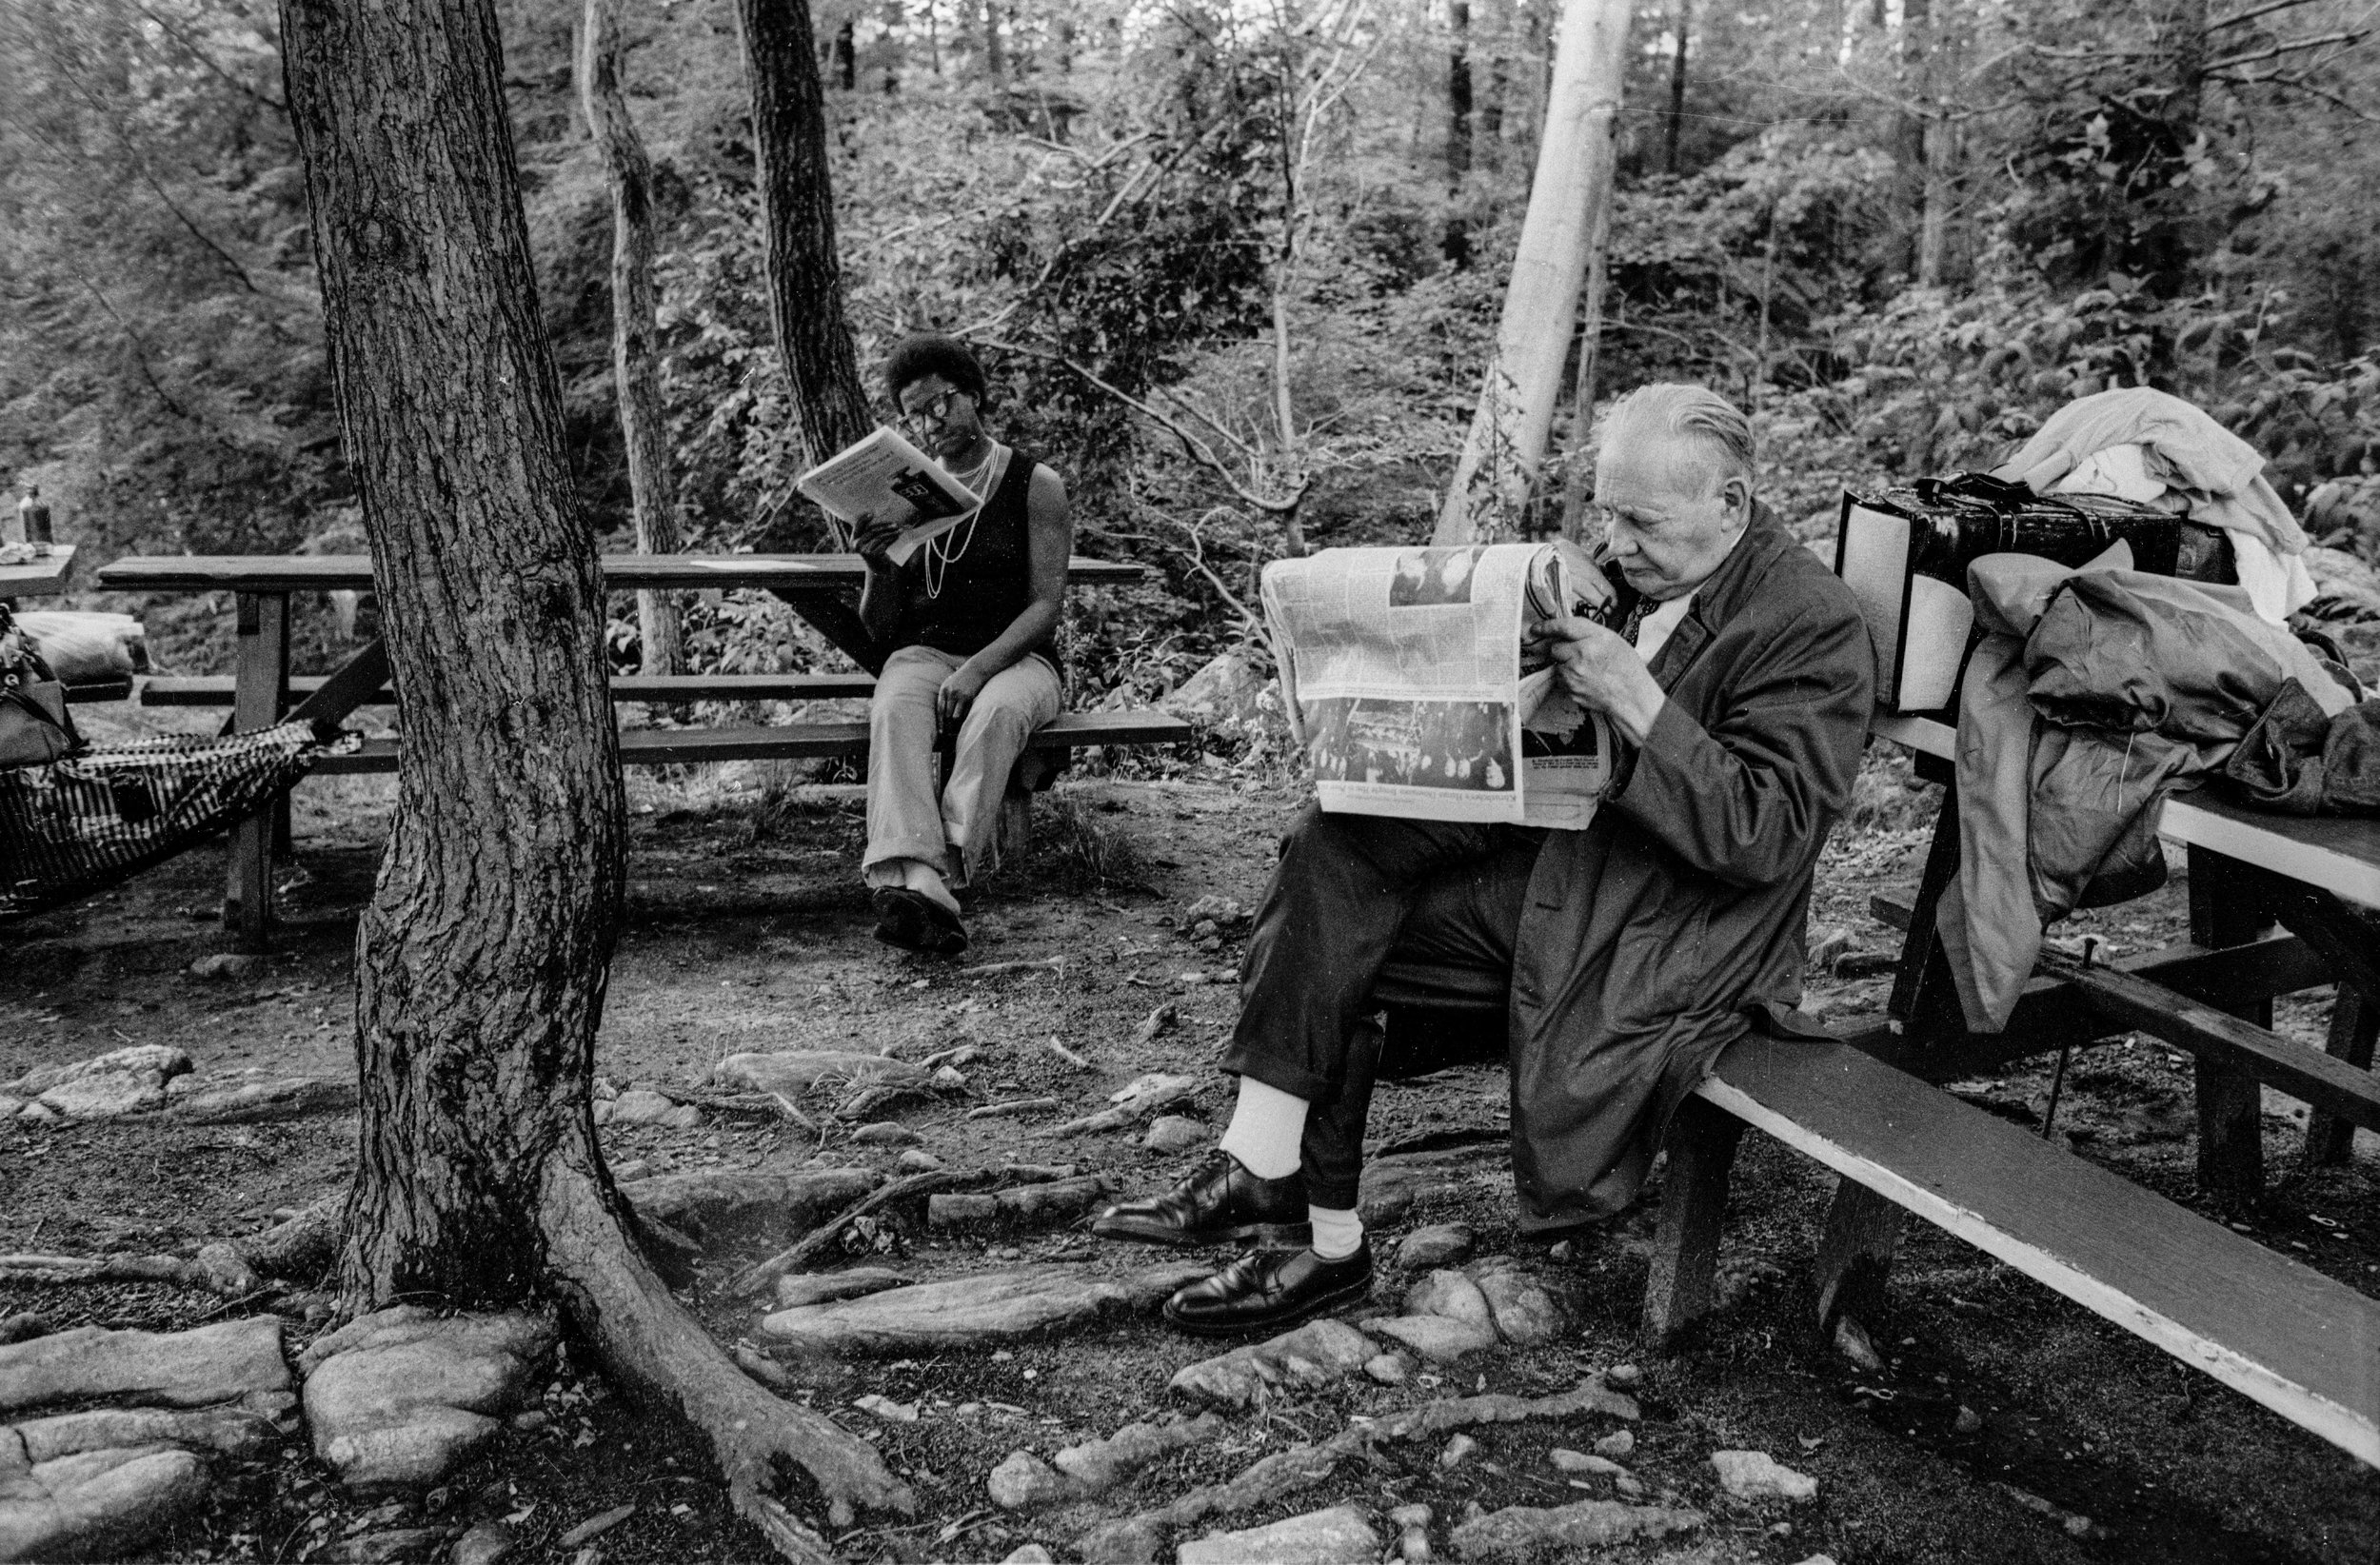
x: 635, y: 363
x: 995, y: 58
x: 482, y: 958
x: 798, y: 219
x: 1499, y: 466
x: 847, y: 54
x: 1933, y: 228
x: 1677, y: 125
x: 1458, y: 244
x: 1579, y: 478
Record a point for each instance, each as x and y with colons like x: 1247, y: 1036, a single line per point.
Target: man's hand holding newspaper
x: 1419, y: 690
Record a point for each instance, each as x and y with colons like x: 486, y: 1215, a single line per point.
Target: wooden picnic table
x: 819, y: 588
x: 40, y: 577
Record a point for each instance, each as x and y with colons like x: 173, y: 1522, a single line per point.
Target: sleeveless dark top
x: 985, y: 586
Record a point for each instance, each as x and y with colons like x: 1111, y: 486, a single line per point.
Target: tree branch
x: 2254, y: 11
x: 2290, y: 46
x: 1197, y: 449
x: 266, y: 98
x: 2294, y: 82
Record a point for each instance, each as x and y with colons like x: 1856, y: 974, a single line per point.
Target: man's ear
x: 1736, y: 492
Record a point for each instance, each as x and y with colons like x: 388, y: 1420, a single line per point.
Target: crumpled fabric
x: 2093, y: 694
x: 2186, y: 461
x: 2300, y: 760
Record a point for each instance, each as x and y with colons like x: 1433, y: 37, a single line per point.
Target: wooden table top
x: 38, y: 578
x: 2339, y: 854
x: 353, y: 572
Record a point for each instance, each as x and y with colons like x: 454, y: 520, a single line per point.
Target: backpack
x: 35, y: 729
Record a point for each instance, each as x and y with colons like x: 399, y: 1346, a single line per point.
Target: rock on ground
x: 1439, y: 1244
x: 1025, y: 1482
x: 1524, y: 1310
x: 254, y: 1094
x: 1315, y: 1354
x: 1436, y: 1338
x: 227, y: 1363
x: 160, y: 1060
x: 95, y: 1504
x: 638, y: 1106
x: 1452, y: 1294
x: 484, y: 1544
x: 1620, y: 1445
x: 1579, y: 1463
x: 797, y: 1072
x: 1341, y: 1536
x: 232, y: 1430
x: 1098, y: 1466
x: 986, y: 1307
x: 764, y: 1205
x: 886, y: 1133
x: 103, y: 1087
x: 398, y: 1397
x: 1523, y: 1533
x: 1755, y: 1476
x: 1173, y: 1132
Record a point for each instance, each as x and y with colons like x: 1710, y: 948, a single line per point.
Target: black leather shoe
x: 1221, y: 1203
x: 915, y: 922
x: 1270, y: 1292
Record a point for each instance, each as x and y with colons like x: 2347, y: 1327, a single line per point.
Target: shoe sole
x: 1264, y: 1236
x: 1249, y: 1326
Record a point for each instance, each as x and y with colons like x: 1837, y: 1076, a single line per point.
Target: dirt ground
x: 747, y: 930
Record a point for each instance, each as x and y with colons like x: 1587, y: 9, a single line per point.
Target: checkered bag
x: 81, y: 824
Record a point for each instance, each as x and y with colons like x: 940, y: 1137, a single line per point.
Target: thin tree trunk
x: 483, y: 954
x: 1458, y: 244
x: 798, y: 222
x: 1934, y: 228
x: 1579, y: 478
x: 1497, y: 470
x: 995, y: 57
x: 635, y: 360
x: 847, y: 55
x: 1677, y: 125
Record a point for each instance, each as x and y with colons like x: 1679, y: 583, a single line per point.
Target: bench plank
x: 274, y: 573
x: 216, y: 689
x: 807, y: 741
x: 2278, y: 1332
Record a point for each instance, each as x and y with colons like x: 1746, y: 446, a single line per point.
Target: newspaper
x: 883, y: 476
x: 1408, y: 680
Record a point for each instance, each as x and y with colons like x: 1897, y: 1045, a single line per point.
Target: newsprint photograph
x: 1189, y: 781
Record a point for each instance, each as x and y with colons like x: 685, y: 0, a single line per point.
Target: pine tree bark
x: 798, y: 219
x: 1677, y: 126
x: 483, y: 954
x: 635, y: 356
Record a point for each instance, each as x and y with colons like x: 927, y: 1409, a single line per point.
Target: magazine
x: 884, y: 477
x: 1410, y: 683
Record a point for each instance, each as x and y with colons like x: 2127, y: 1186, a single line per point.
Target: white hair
x: 1717, y: 429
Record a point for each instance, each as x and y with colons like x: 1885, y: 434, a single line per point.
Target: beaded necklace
x: 937, y: 554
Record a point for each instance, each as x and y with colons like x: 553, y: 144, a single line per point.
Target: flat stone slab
x: 234, y: 1431
x: 223, y: 1363
x: 796, y: 1072
x: 1523, y: 1533
x: 395, y: 1400
x: 1341, y: 1536
x: 1315, y: 1354
x: 160, y: 1060
x: 252, y: 1096
x: 775, y: 1205
x: 1434, y: 1337
x: 986, y: 1307
x: 93, y: 1505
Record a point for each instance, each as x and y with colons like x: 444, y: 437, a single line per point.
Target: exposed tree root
x: 757, y: 1277
x: 763, y: 1445
x: 1139, y: 1537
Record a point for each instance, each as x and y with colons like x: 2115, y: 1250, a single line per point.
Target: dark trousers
x: 1428, y: 908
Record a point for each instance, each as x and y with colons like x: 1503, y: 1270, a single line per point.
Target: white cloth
x: 1267, y: 1128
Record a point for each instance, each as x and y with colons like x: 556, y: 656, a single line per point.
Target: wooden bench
x: 819, y: 588
x: 220, y: 689
x: 2278, y: 1331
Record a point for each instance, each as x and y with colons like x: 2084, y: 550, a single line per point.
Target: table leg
x: 261, y: 679
x: 838, y: 622
x: 2226, y: 909
x: 1854, y: 1253
x: 1923, y: 995
x: 2354, y: 1027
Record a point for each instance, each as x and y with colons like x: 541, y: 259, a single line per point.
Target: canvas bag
x: 35, y: 727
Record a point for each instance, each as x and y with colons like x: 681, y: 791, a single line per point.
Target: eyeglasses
x: 934, y: 410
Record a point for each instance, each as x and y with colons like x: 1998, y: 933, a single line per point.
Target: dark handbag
x: 35, y: 727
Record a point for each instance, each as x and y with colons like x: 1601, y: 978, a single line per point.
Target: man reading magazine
x: 971, y: 616
x: 1627, y: 954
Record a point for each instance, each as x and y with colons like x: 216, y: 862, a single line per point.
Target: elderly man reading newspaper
x: 1630, y: 952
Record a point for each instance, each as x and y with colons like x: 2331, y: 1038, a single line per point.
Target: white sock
x: 925, y: 879
x: 1266, y: 1126
x: 1337, y: 1234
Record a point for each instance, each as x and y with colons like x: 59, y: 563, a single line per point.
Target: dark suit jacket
x: 1653, y: 939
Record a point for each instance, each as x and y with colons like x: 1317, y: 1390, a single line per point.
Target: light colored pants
x: 957, y: 833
